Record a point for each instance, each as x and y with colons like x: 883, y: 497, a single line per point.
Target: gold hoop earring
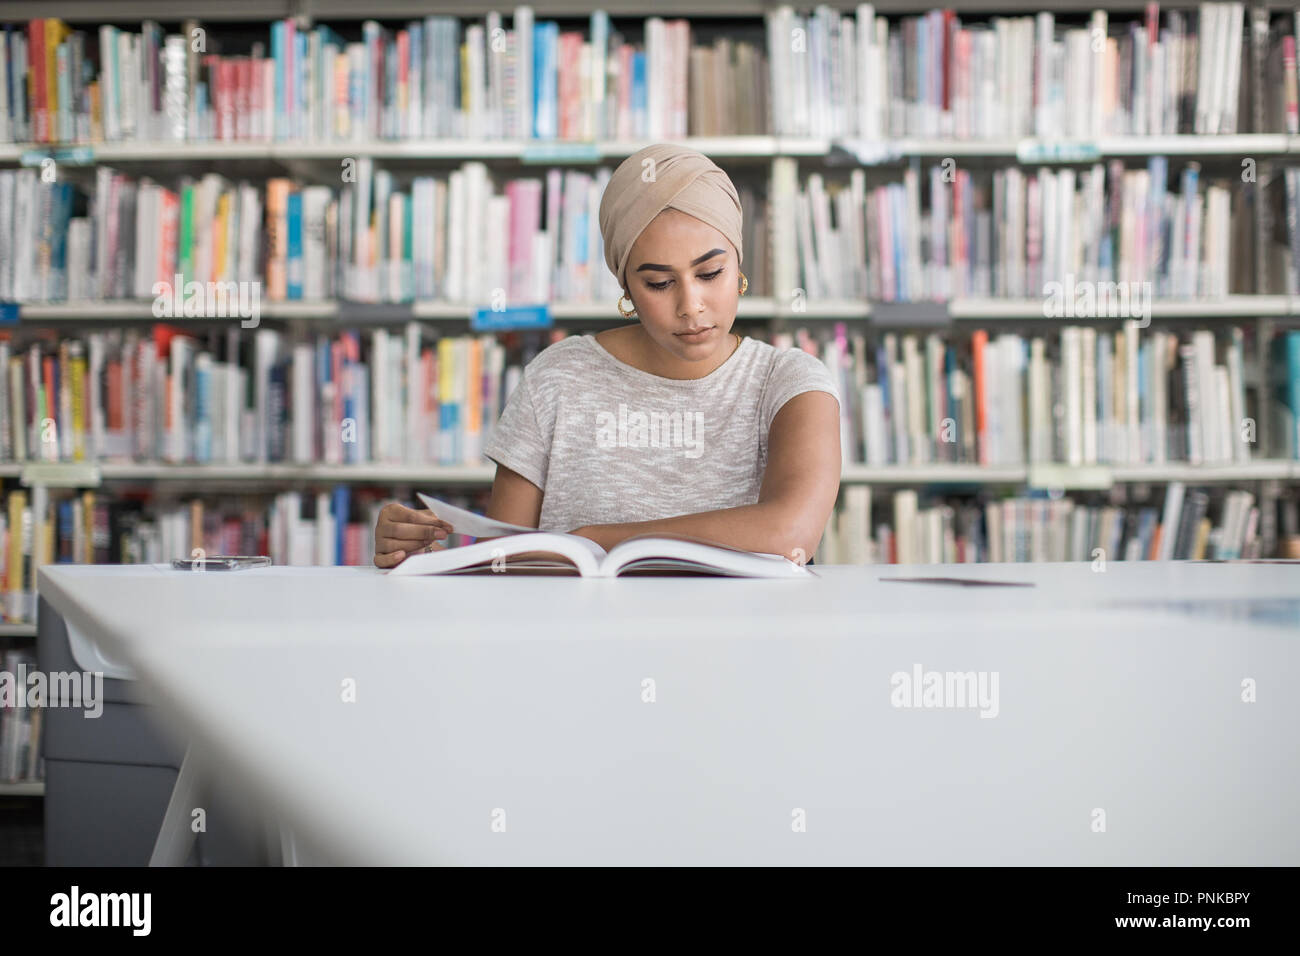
x: 619, y: 304
x: 744, y: 284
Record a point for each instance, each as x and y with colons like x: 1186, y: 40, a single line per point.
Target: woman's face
x: 683, y: 277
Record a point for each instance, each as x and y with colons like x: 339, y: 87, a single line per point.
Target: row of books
x: 228, y: 395
x: 324, y: 527
x: 20, y: 725
x: 1015, y: 233
x: 333, y: 527
x: 461, y: 238
x: 454, y: 238
x: 1079, y: 396
x: 860, y: 76
x: 434, y: 78
x: 1189, y: 524
x: 854, y: 75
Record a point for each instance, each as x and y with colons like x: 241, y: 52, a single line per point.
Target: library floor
x: 22, y: 833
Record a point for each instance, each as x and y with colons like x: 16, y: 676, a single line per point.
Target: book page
x: 470, y: 523
x: 680, y: 536
x: 684, y: 554
x: 538, y: 548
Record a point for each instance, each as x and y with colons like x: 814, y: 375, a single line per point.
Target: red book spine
x: 352, y: 544
x: 116, y: 420
x: 36, y: 72
x: 243, y: 80
x: 226, y: 70
x: 570, y: 50
x: 949, y: 25
x: 167, y: 239
x: 51, y: 403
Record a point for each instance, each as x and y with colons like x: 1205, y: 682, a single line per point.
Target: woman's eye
x: 707, y: 277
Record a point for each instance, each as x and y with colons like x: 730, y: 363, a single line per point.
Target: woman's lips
x: 695, y: 336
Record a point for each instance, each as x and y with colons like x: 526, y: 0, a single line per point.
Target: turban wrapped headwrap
x: 680, y: 178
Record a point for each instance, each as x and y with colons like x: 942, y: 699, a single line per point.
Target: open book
x: 514, y: 548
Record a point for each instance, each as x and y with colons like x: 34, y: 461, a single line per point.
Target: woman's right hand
x: 402, y: 531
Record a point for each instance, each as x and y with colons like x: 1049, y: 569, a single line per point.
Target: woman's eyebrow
x: 655, y: 267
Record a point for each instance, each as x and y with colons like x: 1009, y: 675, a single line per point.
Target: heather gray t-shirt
x: 609, y: 443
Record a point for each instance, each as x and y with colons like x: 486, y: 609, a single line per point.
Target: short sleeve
x: 516, y: 440
x: 794, y: 372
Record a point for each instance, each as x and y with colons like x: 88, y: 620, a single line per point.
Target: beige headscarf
x: 679, y: 178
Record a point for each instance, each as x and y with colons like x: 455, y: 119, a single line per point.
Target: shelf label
x: 70, y: 155
x: 60, y: 474
x: 515, y: 317
x: 1039, y: 151
x: 870, y: 152
x: 561, y: 152
x: 9, y: 313
x: 1054, y: 476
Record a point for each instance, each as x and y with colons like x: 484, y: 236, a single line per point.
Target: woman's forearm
x: 770, y: 527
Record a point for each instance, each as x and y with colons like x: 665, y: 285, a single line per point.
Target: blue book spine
x: 1158, y: 172
x: 546, y: 107
x: 1293, y: 388
x: 202, y: 414
x: 300, y: 88
x: 63, y: 86
x: 59, y: 239
x: 277, y: 54
x: 65, y: 532
x: 341, y: 505
x: 638, y: 95
x: 600, y: 52
x: 293, y: 265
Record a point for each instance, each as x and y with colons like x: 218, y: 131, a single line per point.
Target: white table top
x: 1118, y: 690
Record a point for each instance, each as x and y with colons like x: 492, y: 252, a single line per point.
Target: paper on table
x: 965, y: 582
x: 467, y: 522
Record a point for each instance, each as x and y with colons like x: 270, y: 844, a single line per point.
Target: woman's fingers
x: 401, y: 514
x: 403, y: 531
x: 412, y: 532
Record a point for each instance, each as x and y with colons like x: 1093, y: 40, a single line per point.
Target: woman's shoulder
x: 788, y: 361
x: 560, y: 358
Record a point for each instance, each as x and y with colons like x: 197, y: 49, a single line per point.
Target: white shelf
x: 937, y: 473
x: 1246, y: 306
x: 752, y: 147
x: 109, y: 310
x: 750, y: 307
x: 932, y: 474
x: 1246, y: 471
x: 17, y: 630
x: 434, y: 474
x: 24, y: 788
